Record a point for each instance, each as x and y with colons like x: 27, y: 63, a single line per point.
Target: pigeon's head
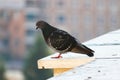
x: 41, y: 24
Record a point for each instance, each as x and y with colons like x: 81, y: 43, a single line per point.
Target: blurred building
x: 84, y: 19
x: 12, y: 30
x: 31, y: 16
x: 17, y: 34
x: 5, y: 16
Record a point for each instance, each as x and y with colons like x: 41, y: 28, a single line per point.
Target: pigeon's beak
x: 37, y: 28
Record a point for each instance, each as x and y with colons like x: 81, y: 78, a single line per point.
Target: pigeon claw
x: 59, y: 56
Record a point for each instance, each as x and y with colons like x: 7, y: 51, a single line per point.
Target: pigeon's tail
x: 82, y: 49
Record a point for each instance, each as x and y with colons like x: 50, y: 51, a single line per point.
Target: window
x: 113, y: 20
x: 42, y: 4
x: 30, y: 32
x: 1, y: 13
x: 5, y: 42
x: 100, y: 5
x: 75, y: 19
x: 30, y: 3
x: 87, y: 4
x: 5, y: 15
x: 100, y: 20
x: 114, y: 9
x: 43, y: 16
x: 1, y: 44
x: 61, y: 19
x: 113, y: 2
x: 87, y: 20
x: 60, y: 3
x: 31, y: 17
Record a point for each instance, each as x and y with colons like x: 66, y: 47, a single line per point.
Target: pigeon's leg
x: 59, y: 56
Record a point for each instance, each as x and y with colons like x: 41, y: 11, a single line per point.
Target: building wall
x: 17, y: 34
x: 12, y: 28
x: 5, y: 17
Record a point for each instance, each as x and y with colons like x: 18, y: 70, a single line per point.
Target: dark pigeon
x: 61, y: 41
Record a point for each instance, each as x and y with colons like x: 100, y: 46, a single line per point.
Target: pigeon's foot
x: 59, y: 56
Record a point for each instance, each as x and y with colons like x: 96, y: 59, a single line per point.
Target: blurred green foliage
x: 31, y: 70
x: 2, y: 69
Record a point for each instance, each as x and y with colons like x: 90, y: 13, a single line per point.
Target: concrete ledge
x: 69, y: 61
x: 106, y: 65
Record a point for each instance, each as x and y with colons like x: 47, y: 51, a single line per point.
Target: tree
x: 2, y: 69
x: 31, y: 70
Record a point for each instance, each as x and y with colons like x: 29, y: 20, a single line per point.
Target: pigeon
x: 61, y: 41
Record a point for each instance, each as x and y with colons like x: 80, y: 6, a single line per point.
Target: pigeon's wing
x: 80, y: 48
x: 85, y: 47
x: 61, y: 40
